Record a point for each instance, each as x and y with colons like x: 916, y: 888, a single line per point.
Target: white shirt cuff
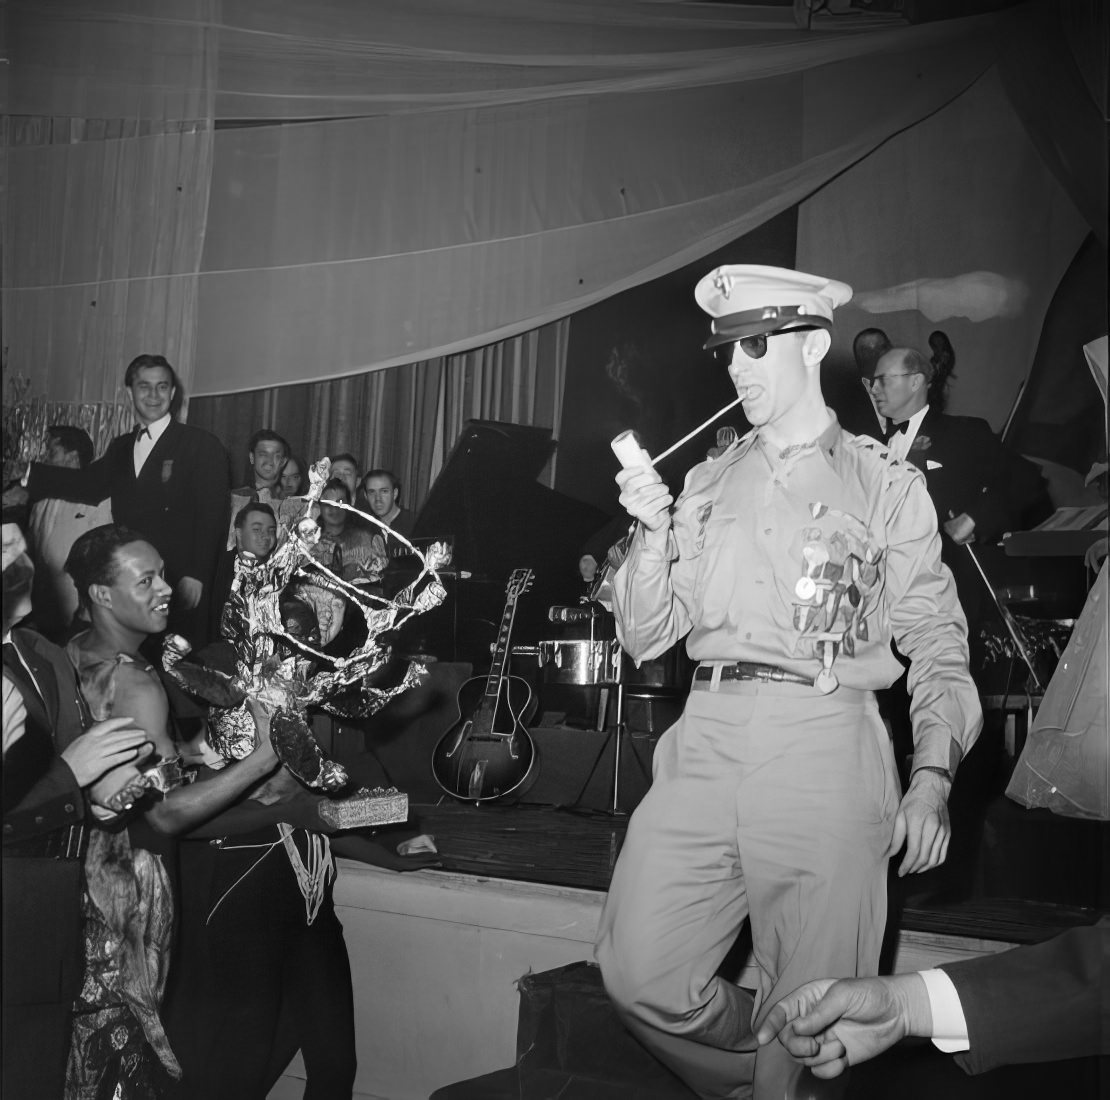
x: 949, y: 1024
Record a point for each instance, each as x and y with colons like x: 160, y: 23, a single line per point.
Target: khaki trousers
x: 769, y: 802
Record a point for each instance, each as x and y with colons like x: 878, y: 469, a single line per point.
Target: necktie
x: 893, y: 429
x: 142, y: 433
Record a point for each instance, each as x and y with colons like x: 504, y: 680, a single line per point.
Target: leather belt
x: 752, y: 670
x: 68, y: 843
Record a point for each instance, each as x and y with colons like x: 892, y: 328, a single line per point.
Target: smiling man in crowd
x: 167, y: 481
x: 266, y: 453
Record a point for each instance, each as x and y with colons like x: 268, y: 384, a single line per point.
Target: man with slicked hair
x: 167, y: 481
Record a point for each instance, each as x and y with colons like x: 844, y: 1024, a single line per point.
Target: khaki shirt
x: 811, y: 559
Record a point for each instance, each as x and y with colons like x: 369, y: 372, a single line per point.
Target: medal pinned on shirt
x: 825, y: 681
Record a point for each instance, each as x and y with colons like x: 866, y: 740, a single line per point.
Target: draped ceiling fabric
x: 420, y: 177
x: 106, y: 196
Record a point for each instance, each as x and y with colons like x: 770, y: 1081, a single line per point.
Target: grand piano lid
x: 487, y: 503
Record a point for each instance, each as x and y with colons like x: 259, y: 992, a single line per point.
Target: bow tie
x: 893, y: 429
x: 140, y: 432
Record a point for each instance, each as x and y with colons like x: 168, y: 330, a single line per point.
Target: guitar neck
x: 501, y: 651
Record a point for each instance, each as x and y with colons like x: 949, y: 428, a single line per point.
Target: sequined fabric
x: 119, y: 1047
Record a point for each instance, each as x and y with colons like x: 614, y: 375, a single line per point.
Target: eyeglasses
x: 755, y: 347
x: 880, y: 380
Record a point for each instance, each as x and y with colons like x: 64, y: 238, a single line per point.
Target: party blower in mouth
x: 629, y: 452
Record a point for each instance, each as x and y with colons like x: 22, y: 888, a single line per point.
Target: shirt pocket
x: 702, y: 531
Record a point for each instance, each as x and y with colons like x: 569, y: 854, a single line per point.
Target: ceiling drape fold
x: 421, y: 177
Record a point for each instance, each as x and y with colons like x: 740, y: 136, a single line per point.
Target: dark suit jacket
x: 40, y: 793
x: 979, y: 475
x: 179, y: 502
x: 402, y: 524
x: 1037, y: 1004
x: 41, y: 897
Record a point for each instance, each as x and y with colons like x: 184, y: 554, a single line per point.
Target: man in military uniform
x: 789, y: 562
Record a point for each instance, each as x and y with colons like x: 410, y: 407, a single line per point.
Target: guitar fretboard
x: 518, y: 583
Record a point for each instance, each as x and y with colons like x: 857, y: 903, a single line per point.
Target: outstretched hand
x: 922, y: 824
x: 189, y: 592
x: 830, y: 1024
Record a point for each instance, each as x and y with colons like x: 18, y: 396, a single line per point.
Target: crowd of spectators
x: 120, y: 552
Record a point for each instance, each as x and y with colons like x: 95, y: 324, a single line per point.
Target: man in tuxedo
x: 1040, y: 1003
x: 980, y: 488
x: 48, y: 761
x: 168, y: 482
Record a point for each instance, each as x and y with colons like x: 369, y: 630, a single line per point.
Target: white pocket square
x: 931, y: 465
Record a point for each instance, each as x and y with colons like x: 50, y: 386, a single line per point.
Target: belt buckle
x: 762, y: 674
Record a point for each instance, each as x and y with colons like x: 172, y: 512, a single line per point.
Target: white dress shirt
x: 16, y: 732
x: 145, y: 440
x: 949, y: 1023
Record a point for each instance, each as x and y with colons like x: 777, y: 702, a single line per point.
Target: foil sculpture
x: 278, y: 665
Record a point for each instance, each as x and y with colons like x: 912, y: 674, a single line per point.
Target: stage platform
x: 436, y: 954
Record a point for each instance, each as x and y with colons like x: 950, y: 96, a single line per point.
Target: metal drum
x: 580, y: 661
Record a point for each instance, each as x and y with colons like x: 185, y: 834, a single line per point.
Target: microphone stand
x: 1009, y: 621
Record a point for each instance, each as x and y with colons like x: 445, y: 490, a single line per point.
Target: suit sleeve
x: 52, y: 801
x: 1009, y: 487
x: 929, y: 627
x: 88, y: 486
x: 1036, y: 1004
x: 210, y: 473
x: 40, y: 792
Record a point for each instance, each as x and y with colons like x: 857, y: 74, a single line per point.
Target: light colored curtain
x: 406, y: 419
x: 104, y: 211
x: 966, y: 230
x: 460, y: 171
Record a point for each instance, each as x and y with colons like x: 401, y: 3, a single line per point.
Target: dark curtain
x: 1061, y: 416
x: 1053, y: 60
x: 384, y: 418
